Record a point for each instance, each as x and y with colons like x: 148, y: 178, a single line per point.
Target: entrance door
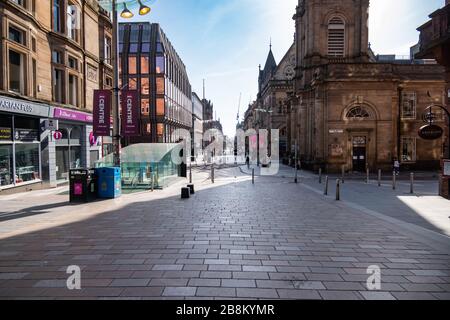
x: 359, y: 159
x: 359, y: 154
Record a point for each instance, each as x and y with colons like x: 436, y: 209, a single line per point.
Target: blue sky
x: 224, y: 41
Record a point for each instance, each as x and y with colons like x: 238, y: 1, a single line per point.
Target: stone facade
x: 350, y: 110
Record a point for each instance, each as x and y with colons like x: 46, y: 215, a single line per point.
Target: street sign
x: 431, y: 132
x: 57, y: 135
x: 446, y: 168
x: 51, y: 124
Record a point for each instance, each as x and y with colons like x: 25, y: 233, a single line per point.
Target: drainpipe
x: 399, y: 121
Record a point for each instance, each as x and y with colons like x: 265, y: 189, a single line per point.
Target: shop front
x: 74, y: 144
x: 20, y: 143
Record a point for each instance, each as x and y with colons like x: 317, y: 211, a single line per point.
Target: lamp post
x: 112, y: 5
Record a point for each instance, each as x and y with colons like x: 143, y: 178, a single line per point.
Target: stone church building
x: 349, y: 108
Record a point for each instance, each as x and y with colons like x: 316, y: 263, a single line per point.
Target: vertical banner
x: 130, y: 113
x: 102, y: 113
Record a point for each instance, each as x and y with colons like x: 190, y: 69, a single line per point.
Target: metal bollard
x: 412, y: 183
x: 153, y: 182
x: 212, y: 173
x: 338, y: 190
x: 190, y: 173
x: 343, y: 174
x: 253, y: 176
x: 326, y: 186
x: 320, y: 175
x: 296, y: 175
x: 394, y: 181
x: 379, y: 177
x: 367, y: 175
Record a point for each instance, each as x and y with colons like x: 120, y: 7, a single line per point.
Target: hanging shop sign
x: 130, y: 113
x: 102, y: 113
x: 431, y: 132
x: 57, y: 135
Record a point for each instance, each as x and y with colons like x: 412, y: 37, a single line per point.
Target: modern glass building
x: 150, y: 64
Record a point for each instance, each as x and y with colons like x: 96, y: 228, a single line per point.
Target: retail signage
x: 102, y: 113
x: 26, y: 135
x: 51, y: 124
x: 23, y: 107
x: 6, y: 134
x: 431, y: 132
x: 130, y: 113
x: 71, y: 115
x: 446, y: 167
x: 57, y: 135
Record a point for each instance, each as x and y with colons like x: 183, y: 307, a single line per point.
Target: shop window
x: 16, y: 72
x: 160, y: 64
x: 5, y: 128
x: 27, y: 162
x: 145, y: 86
x: 17, y: 35
x: 132, y: 65
x: 409, y: 105
x: 6, y: 164
x: 160, y: 85
x: 160, y: 107
x: 73, y: 90
x: 145, y: 65
x: 408, y: 149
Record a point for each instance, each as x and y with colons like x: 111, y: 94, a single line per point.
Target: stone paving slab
x: 231, y: 240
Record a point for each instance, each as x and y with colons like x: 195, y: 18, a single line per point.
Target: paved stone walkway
x: 274, y: 240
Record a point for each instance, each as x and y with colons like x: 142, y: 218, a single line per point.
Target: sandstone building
x: 350, y: 108
x: 53, y: 55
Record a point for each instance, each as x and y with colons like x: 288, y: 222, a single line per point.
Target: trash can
x: 109, y: 183
x: 93, y: 184
x: 79, y: 181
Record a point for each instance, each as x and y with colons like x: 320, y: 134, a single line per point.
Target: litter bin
x: 80, y: 181
x: 109, y: 183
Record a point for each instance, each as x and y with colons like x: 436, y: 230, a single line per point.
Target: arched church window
x: 336, y: 37
x: 358, y: 113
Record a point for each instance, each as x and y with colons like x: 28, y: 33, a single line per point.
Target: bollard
x: 212, y: 173
x: 412, y: 183
x: 296, y: 175
x: 185, y: 193
x: 338, y: 190
x: 191, y: 188
x: 153, y: 182
x: 320, y: 175
x: 326, y: 186
x: 190, y: 173
x: 367, y: 175
x: 394, y: 181
x: 253, y: 176
x: 343, y: 174
x: 379, y: 177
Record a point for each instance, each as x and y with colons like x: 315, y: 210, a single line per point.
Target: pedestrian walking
x: 247, y: 161
x: 396, y: 166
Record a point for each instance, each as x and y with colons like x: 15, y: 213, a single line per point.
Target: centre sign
x: 431, y: 132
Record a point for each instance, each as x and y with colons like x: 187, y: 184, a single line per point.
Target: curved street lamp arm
x: 441, y: 107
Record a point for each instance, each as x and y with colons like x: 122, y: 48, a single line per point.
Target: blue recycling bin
x: 109, y: 183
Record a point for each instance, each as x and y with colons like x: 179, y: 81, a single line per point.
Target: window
x: 57, y: 57
x: 72, y: 22
x: 336, y: 37
x: 73, y: 90
x: 27, y: 162
x: 58, y: 85
x: 146, y: 47
x: 160, y: 64
x: 145, y: 106
x: 160, y: 107
x: 109, y: 82
x: 145, y: 65
x: 160, y: 85
x: 33, y: 44
x: 57, y: 19
x: 358, y: 113
x: 108, y: 50
x: 34, y: 66
x: 160, y: 129
x: 145, y: 86
x: 409, y: 105
x: 132, y: 84
x: 6, y: 165
x: 408, y: 149
x: 17, y: 35
x: 132, y: 65
x: 16, y: 72
x: 20, y: 3
x: 73, y: 63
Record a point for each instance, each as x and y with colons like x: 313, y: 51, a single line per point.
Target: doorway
x: 359, y: 154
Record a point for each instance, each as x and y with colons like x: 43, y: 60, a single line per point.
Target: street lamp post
x: 126, y: 13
